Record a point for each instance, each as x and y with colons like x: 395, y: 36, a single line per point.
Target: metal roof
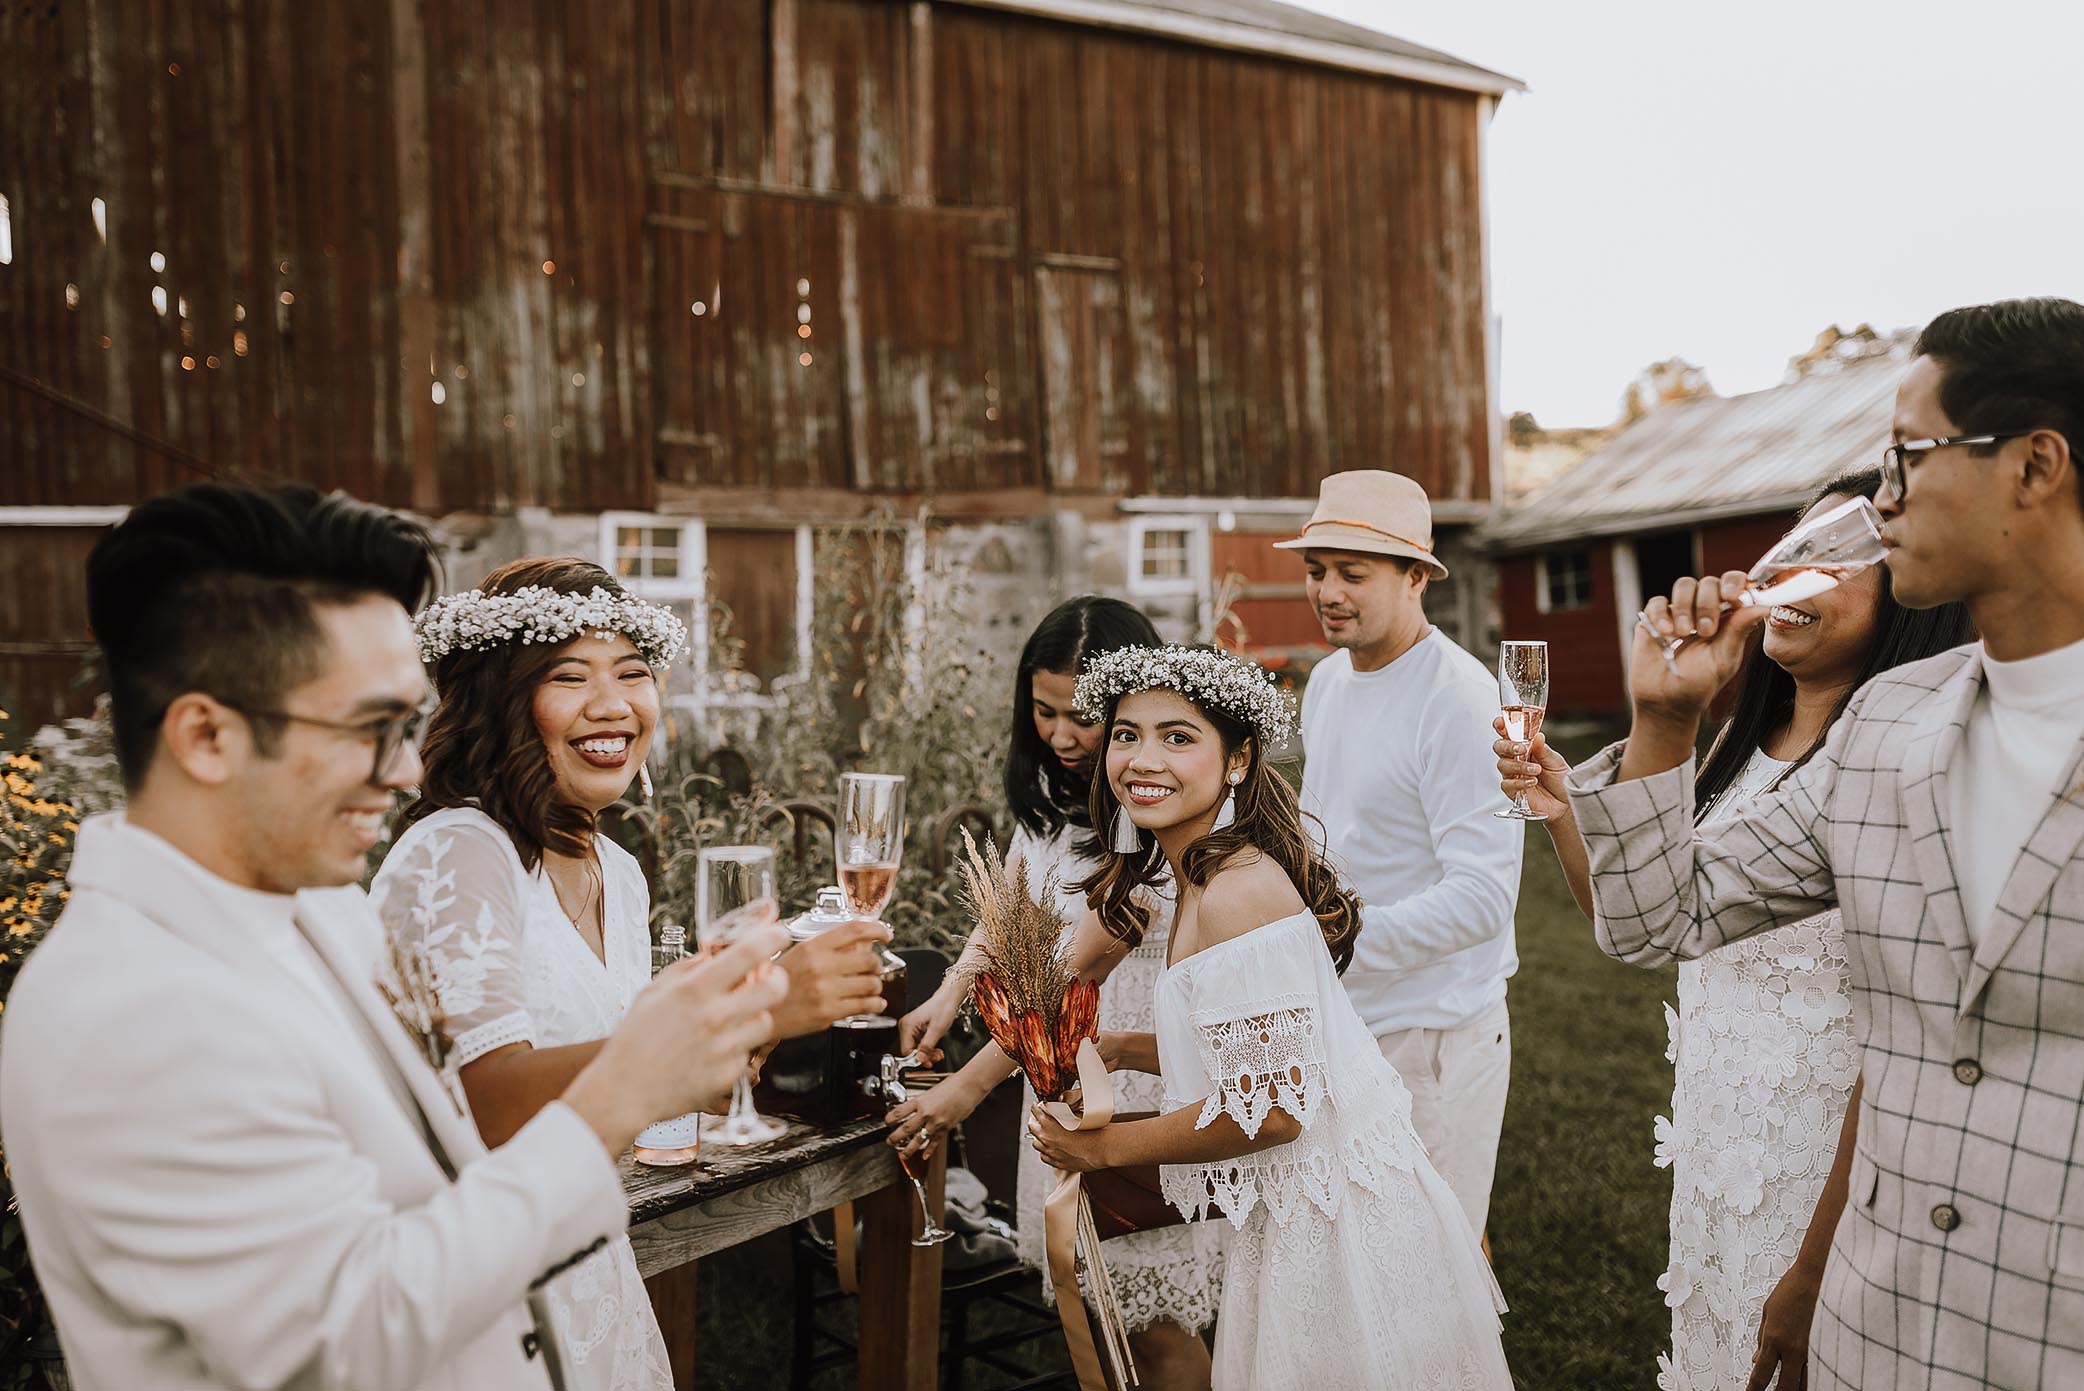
x: 1714, y: 458
x: 1265, y: 26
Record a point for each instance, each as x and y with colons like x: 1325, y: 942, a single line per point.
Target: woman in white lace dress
x: 1169, y: 1279
x: 535, y: 924
x: 1352, y: 1264
x: 1765, y: 1065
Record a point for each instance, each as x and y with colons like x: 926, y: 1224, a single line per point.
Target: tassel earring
x: 1227, y: 813
x: 644, y: 780
x: 1126, y: 841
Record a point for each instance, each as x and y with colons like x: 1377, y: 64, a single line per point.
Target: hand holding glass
x: 1820, y: 554
x: 731, y: 880
x: 1523, y: 693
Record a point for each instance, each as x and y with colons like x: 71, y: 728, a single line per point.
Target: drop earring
x: 1227, y: 813
x: 644, y: 780
x: 1126, y: 841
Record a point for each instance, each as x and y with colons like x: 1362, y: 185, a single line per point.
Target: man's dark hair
x: 2017, y: 364
x: 213, y: 587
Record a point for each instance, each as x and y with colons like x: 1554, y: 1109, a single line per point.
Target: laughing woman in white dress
x: 1765, y: 1064
x: 1352, y: 1263
x: 535, y: 924
x: 1169, y: 1279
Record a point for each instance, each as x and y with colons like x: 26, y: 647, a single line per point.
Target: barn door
x: 1084, y: 340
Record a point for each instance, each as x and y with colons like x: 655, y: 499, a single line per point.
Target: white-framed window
x: 667, y: 560
x: 644, y: 550
x: 1563, y: 580
x: 1168, y: 555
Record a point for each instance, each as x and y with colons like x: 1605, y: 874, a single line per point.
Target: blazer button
x: 1946, y: 1217
x: 531, y: 1344
x: 1968, y: 1072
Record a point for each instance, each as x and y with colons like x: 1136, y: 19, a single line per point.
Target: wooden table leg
x: 900, y: 1287
x: 673, y: 1302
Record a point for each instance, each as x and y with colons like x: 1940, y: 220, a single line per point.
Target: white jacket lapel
x: 451, y: 1133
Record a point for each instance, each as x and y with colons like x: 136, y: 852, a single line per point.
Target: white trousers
x: 1457, y: 1079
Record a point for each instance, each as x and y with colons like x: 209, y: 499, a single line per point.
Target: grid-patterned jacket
x: 1960, y: 1260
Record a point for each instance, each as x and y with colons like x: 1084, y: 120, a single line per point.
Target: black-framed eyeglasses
x: 388, y: 733
x: 1897, y: 458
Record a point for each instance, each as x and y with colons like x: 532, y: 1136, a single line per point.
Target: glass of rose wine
x: 868, y: 842
x: 1523, y: 693
x: 731, y: 878
x: 1822, y: 553
x: 914, y: 1163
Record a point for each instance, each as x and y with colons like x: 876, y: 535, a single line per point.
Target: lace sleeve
x: 1272, y: 1057
x: 455, y: 892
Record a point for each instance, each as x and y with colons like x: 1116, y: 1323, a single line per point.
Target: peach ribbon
x: 1363, y: 526
x: 1066, y: 1222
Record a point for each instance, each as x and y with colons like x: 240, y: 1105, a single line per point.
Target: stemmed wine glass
x: 1820, y: 554
x: 1523, y: 693
x: 931, y: 1232
x: 868, y: 842
x: 732, y: 878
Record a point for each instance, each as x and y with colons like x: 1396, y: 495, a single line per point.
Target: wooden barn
x: 1694, y: 488
x: 1100, y: 287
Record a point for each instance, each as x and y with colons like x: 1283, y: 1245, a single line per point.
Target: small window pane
x: 1165, y: 555
x: 1566, y: 581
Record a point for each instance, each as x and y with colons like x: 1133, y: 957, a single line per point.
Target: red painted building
x: 1696, y: 487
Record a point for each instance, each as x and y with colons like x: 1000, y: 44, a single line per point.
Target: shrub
x: 896, y: 684
x: 37, y: 826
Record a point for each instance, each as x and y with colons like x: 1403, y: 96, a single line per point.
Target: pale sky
x: 1721, y: 182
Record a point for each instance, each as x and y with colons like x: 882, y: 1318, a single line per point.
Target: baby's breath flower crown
x: 475, y: 620
x: 1205, y: 675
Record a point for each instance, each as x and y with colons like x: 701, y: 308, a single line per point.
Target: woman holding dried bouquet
x: 536, y: 924
x: 1169, y: 1280
x: 1352, y: 1263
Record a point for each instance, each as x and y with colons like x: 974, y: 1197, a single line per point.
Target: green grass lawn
x: 1578, y: 1216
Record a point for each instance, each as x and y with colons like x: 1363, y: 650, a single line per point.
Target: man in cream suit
x: 236, y: 1167
x: 1945, y: 816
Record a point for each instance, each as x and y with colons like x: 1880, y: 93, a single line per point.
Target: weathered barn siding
x: 1033, y: 256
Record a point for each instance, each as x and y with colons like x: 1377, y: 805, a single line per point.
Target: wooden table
x: 728, y: 1196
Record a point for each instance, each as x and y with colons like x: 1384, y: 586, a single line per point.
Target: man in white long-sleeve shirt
x: 1396, y: 725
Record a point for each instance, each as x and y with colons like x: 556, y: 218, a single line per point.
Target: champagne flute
x: 869, y: 842
x: 931, y: 1232
x: 1523, y: 693
x: 669, y: 1143
x: 1822, y: 553
x: 731, y: 879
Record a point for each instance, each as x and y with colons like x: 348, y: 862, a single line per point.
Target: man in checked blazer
x: 236, y: 1168
x: 1945, y: 816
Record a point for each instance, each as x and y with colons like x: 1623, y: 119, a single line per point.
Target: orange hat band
x: 1363, y: 526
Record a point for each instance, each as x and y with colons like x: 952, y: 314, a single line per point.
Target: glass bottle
x: 668, y: 1144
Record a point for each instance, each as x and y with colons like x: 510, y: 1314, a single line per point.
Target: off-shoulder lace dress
x: 1351, y: 1264
x: 511, y: 968
x: 1173, y: 1274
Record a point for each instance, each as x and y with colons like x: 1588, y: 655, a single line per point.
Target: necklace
x: 594, y: 887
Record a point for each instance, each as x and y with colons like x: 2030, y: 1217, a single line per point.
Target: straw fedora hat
x: 1371, y: 510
